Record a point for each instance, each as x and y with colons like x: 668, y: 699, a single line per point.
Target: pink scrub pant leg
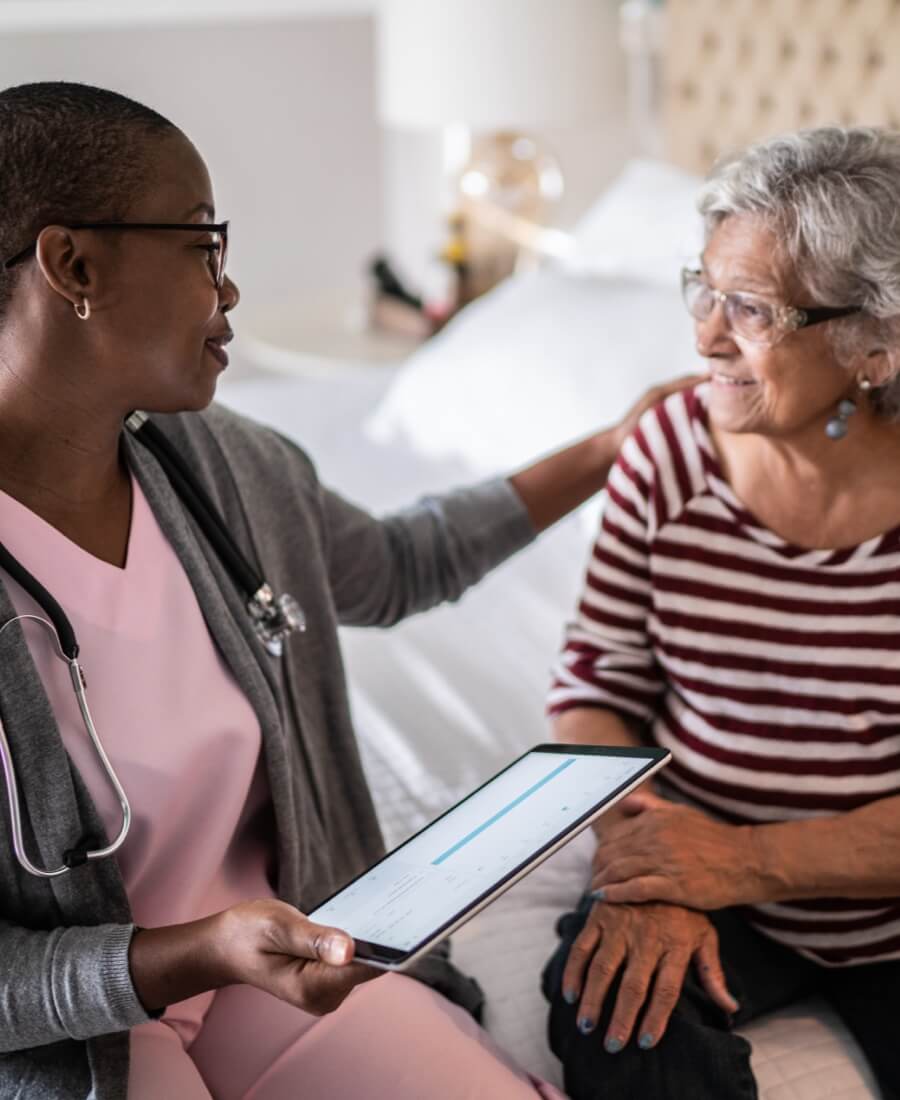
x: 392, y: 1039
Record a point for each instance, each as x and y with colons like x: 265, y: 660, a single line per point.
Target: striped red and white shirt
x: 771, y: 672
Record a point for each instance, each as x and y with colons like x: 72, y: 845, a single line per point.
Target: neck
x: 809, y: 459
x: 59, y: 450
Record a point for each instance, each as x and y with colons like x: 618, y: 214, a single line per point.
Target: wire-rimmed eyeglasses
x: 217, y: 248
x: 750, y: 317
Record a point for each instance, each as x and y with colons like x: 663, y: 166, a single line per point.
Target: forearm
x: 67, y: 983
x: 554, y: 486
x: 850, y: 855
x: 80, y: 982
x: 381, y: 571
x: 594, y: 726
x: 598, y: 726
x: 174, y: 963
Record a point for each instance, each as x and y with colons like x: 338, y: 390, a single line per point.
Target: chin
x: 731, y: 416
x: 199, y: 395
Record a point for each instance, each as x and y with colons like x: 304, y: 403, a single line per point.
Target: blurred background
x: 281, y: 97
x: 447, y: 142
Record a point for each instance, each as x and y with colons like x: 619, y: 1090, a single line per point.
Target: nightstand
x: 319, y: 334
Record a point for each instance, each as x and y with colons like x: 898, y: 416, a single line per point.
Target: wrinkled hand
x: 647, y: 400
x: 660, y: 851
x: 655, y: 944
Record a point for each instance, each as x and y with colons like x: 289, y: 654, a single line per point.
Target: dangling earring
x: 836, y: 428
x: 83, y: 311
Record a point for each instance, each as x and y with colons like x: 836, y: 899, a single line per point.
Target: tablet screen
x: 424, y: 884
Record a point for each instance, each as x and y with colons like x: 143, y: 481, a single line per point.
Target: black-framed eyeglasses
x: 751, y: 317
x: 216, y: 249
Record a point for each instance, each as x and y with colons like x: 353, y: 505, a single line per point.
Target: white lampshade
x: 497, y: 64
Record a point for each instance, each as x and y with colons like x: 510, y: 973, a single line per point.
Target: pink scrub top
x: 182, y: 737
x: 187, y: 748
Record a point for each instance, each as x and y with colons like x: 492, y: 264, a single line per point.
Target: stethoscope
x: 272, y: 619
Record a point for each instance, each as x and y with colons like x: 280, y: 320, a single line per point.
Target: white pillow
x: 644, y: 226
x: 541, y: 360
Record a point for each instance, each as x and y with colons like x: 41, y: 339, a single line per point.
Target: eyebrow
x: 201, y: 208
x: 751, y: 282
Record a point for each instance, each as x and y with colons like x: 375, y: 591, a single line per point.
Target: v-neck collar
x: 47, y: 543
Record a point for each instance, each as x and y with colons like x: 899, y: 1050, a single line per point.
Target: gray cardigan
x: 66, y: 997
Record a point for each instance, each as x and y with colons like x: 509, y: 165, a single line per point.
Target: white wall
x: 283, y: 113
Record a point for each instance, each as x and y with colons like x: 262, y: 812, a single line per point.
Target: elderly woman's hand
x: 660, y: 851
x: 655, y: 944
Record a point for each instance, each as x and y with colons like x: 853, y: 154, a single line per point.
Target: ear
x: 64, y: 264
x: 876, y: 365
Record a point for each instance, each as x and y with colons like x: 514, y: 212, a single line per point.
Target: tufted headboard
x: 734, y: 71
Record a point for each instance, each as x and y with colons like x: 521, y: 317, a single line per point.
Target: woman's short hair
x: 831, y: 195
x: 69, y: 152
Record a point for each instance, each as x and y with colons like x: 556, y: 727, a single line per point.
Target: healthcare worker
x: 181, y: 775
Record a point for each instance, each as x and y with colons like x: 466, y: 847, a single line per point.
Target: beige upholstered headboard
x: 734, y: 71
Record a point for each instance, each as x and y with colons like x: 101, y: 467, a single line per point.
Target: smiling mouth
x: 728, y: 380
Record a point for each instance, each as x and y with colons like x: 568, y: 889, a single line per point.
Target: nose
x: 713, y: 336
x: 229, y: 295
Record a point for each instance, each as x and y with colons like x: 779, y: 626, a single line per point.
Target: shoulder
x: 217, y: 434
x: 663, y: 458
x: 242, y: 463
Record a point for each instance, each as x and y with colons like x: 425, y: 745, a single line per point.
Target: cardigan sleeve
x: 66, y: 983
x: 382, y: 570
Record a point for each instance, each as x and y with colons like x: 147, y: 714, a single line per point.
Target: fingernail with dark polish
x: 585, y: 1025
x: 646, y: 1041
x: 570, y: 996
x: 597, y: 895
x: 613, y: 1046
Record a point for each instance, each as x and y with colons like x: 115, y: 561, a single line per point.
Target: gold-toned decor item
x: 498, y: 72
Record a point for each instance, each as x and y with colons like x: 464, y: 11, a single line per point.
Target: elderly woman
x: 742, y: 609
x: 172, y: 960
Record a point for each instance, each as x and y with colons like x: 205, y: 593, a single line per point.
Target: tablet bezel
x: 384, y: 957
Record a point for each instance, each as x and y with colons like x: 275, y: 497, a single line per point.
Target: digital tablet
x: 450, y: 870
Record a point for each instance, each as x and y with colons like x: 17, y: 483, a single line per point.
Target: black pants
x: 700, y: 1057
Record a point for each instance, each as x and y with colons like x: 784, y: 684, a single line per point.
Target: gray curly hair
x: 831, y: 195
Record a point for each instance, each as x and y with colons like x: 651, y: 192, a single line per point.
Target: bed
x: 445, y: 699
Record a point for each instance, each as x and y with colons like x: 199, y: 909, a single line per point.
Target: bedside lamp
x: 490, y: 73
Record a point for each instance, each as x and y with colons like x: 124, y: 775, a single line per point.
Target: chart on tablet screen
x: 463, y: 854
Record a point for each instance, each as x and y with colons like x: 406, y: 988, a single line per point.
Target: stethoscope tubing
x: 74, y: 857
x: 199, y: 505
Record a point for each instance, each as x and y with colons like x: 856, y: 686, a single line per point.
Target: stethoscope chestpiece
x: 275, y: 619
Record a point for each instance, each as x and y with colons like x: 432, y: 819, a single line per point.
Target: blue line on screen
x: 502, y: 813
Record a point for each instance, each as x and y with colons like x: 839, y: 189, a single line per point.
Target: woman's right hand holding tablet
x: 267, y: 944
